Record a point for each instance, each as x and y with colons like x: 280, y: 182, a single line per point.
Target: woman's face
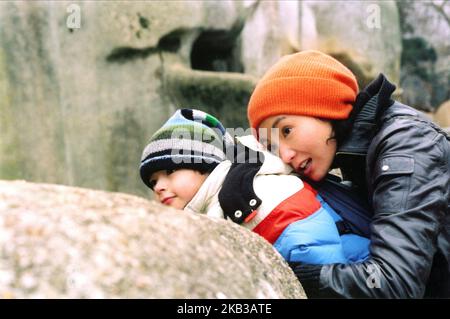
x: 302, y: 142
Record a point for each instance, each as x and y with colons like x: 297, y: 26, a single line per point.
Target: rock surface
x: 442, y: 116
x: 364, y: 33
x: 77, y: 105
x: 64, y: 242
x: 425, y: 72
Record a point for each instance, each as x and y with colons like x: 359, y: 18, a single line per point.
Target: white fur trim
x: 206, y: 200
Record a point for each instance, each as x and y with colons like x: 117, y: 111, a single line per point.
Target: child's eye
x: 169, y: 171
x: 286, y: 130
x: 152, y: 184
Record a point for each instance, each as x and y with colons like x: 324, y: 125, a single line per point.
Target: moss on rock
x: 224, y: 95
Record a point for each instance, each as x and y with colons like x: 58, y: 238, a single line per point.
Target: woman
x: 391, y: 154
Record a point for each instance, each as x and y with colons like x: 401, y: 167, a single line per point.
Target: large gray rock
x: 442, y: 116
x: 365, y: 36
x: 219, y: 93
x: 77, y: 105
x: 426, y: 53
x: 64, y: 242
x: 369, y: 31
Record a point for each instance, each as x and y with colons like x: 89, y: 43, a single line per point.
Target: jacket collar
x: 237, y: 197
x: 370, y: 104
x: 272, y: 164
x: 205, y: 201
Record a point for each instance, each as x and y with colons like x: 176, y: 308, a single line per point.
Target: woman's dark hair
x: 341, y: 129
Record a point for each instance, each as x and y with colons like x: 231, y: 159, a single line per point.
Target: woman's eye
x: 170, y: 171
x: 152, y: 184
x: 286, y: 130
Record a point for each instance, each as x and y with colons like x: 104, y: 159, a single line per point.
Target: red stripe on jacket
x: 298, y: 206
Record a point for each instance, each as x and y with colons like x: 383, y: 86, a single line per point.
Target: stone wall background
x: 77, y: 105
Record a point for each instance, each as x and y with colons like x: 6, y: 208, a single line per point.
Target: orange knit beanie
x: 307, y: 83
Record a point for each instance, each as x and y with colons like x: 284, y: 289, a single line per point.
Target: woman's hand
x: 309, y: 277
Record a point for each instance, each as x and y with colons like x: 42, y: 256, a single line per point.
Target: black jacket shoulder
x: 402, y: 161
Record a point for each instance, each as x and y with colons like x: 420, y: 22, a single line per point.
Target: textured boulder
x: 426, y: 53
x: 370, y: 31
x: 365, y: 36
x: 58, y: 242
x: 219, y: 93
x: 77, y: 105
x: 442, y: 116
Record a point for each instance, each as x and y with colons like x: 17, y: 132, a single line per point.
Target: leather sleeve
x: 408, y: 178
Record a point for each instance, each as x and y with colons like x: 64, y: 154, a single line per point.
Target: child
x: 185, y: 164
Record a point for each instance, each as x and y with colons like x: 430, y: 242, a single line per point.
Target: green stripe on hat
x: 207, y: 135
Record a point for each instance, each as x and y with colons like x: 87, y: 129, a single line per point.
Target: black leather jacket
x: 401, y: 162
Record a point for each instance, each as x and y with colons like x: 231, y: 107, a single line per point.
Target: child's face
x: 303, y: 143
x: 176, y: 188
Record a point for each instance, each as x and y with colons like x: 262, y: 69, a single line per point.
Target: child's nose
x: 160, y: 186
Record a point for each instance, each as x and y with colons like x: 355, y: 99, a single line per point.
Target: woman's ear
x: 332, y: 135
x: 341, y: 129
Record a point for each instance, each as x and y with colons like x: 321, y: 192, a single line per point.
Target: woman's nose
x: 286, y: 154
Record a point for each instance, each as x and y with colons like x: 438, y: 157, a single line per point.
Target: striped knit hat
x: 189, y: 139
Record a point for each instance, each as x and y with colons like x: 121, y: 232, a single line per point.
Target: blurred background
x: 84, y: 84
